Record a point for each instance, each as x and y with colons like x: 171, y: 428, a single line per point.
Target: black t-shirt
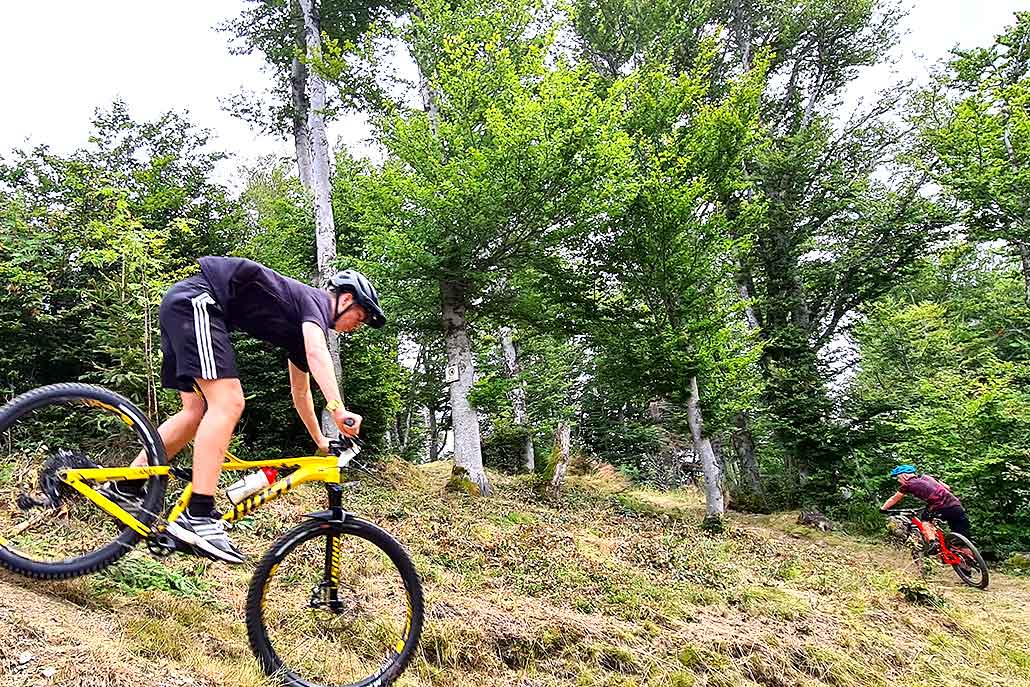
x: 265, y: 304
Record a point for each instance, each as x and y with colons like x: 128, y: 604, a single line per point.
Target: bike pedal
x: 162, y: 545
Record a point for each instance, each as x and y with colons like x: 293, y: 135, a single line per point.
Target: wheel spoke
x: 49, y: 529
x: 301, y: 629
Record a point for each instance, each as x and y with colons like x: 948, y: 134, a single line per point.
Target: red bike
x: 950, y: 549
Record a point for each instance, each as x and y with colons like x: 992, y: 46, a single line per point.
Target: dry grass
x: 605, y: 585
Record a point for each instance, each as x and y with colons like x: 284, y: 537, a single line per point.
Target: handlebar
x: 907, y: 512
x: 338, y: 446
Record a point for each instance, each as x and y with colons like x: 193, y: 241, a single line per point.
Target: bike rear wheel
x: 47, y: 529
x: 973, y: 569
x: 335, y: 603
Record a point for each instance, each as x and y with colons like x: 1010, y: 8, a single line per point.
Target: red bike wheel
x: 973, y: 569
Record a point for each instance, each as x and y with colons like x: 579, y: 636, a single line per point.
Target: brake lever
x: 337, y: 446
x: 363, y: 467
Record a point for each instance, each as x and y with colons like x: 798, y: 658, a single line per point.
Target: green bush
x: 503, y: 444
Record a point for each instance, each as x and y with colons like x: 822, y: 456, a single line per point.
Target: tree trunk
x: 725, y: 467
x: 468, y: 455
x: 743, y: 442
x: 744, y: 447
x: 301, y: 140
x: 517, y: 397
x: 405, y: 418
x: 299, y: 96
x: 1024, y: 254
x: 1022, y: 246
x: 744, y: 291
x: 715, y: 505
x: 562, y: 446
x: 431, y: 453
x: 325, y: 230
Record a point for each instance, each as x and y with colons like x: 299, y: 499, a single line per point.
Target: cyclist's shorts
x: 956, y: 518
x: 194, y: 336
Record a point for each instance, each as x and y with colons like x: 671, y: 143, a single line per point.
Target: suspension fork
x: 331, y: 578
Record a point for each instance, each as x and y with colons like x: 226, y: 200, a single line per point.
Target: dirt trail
x: 46, y: 639
x: 1007, y: 596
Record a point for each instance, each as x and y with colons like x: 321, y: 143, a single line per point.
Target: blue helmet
x: 903, y: 470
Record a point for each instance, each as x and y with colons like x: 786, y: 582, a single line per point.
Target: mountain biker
x: 940, y: 502
x: 196, y: 316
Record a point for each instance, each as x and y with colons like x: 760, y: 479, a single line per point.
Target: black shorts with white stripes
x: 194, y: 336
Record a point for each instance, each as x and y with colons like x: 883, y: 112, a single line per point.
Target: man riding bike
x: 940, y: 502
x: 196, y: 316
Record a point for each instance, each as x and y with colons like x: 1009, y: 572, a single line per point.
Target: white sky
x: 64, y: 58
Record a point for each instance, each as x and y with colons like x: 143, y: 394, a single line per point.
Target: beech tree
x: 667, y: 257
x: 295, y: 37
x: 976, y: 120
x: 278, y: 30
x: 517, y: 394
x: 512, y: 158
x: 825, y: 234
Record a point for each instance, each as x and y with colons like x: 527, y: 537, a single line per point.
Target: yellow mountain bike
x: 335, y: 601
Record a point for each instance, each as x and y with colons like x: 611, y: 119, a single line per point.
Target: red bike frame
x: 947, y: 557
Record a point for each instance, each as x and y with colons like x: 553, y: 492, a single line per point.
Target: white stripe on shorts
x: 202, y: 330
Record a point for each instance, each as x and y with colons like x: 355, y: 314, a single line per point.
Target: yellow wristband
x: 333, y: 405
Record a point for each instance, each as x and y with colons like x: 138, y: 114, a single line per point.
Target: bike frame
x: 946, y: 555
x: 325, y: 469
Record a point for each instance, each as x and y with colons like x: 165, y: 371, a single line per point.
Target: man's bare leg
x: 176, y: 432
x: 224, y: 407
x: 179, y: 429
x: 200, y: 525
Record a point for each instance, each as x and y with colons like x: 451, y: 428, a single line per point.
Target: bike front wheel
x: 335, y: 603
x: 973, y: 569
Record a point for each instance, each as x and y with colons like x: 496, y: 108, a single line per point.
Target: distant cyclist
x: 940, y: 502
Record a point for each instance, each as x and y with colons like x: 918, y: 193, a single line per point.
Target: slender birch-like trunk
x: 299, y: 96
x: 714, y: 503
x: 301, y: 141
x: 563, y: 446
x: 1023, y: 248
x: 430, y: 417
x: 325, y: 230
x: 517, y: 396
x: 742, y: 439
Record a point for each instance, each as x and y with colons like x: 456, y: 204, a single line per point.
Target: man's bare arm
x: 321, y: 367
x: 892, y: 501
x: 300, y: 390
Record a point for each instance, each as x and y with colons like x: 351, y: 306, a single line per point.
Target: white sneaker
x: 207, y: 535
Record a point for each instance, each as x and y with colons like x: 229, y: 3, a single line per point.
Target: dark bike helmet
x: 354, y: 282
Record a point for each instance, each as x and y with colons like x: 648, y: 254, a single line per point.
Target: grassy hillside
x: 604, y: 586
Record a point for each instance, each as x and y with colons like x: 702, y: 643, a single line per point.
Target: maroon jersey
x: 926, y: 488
